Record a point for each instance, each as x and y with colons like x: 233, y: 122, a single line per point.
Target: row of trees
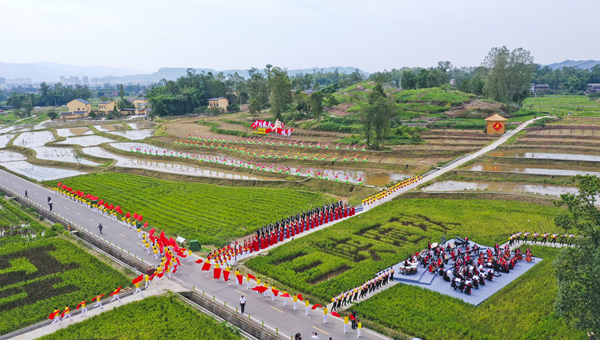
x: 569, y: 79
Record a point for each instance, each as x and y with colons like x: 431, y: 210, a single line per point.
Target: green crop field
x: 562, y: 105
x: 433, y: 95
x: 347, y: 254
x: 150, y: 318
x: 209, y: 213
x: 522, y: 310
x: 37, y: 276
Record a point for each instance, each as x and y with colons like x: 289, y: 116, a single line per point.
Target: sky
x: 238, y: 34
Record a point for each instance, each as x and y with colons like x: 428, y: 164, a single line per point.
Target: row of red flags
x: 101, y: 202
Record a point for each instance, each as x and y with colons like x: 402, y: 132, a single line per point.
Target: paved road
x: 274, y: 314
x: 260, y: 308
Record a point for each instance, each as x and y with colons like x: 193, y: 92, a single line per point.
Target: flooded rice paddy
x: 86, y: 140
x: 540, y: 189
x: 34, y: 139
x: 549, y: 170
x: 579, y: 156
x: 60, y: 154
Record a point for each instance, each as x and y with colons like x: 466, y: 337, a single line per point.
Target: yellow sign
x: 260, y: 131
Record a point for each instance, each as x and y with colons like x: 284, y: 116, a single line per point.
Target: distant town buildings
x: 85, y: 80
x: 141, y: 106
x: 106, y: 107
x: 593, y: 88
x: 78, y: 108
x: 220, y: 102
x: 540, y: 88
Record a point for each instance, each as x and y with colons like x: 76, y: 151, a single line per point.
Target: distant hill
x: 50, y: 72
x: 170, y: 73
x: 583, y: 64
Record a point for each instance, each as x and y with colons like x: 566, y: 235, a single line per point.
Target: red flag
x: 146, y: 225
x: 152, y: 276
x: 240, y: 278
x: 217, y: 273
x: 285, y: 295
x: 172, y: 242
x: 206, y: 266
x: 62, y: 315
x: 128, y: 215
x: 199, y: 261
x: 300, y: 297
x: 58, y: 184
x: 315, y: 306
x: 352, y: 317
x: 138, y: 279
x: 98, y: 297
x: 116, y: 291
x: 79, y: 305
x: 160, y: 275
x: 226, y: 275
x: 101, y: 202
x: 174, y: 269
x: 275, y: 291
x: 335, y: 314
x: 135, y: 215
x: 250, y: 276
x: 260, y: 289
x: 151, y: 232
x: 140, y: 218
x: 177, y: 258
x: 53, y: 315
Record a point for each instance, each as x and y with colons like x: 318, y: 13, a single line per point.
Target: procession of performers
x: 563, y: 239
x: 378, y: 281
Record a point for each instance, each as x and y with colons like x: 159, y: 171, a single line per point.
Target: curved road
x: 274, y: 314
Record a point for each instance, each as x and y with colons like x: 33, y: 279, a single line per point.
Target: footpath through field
x: 274, y: 314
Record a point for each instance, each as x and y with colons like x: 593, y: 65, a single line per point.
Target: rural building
x: 127, y: 112
x: 593, y: 88
x: 76, y: 105
x: 73, y: 114
x: 496, y: 124
x: 540, y: 88
x: 220, y: 102
x: 141, y: 106
x: 106, y: 107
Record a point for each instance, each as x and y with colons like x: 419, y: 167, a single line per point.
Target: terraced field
x: 209, y: 213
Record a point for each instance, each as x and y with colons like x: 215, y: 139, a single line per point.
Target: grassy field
x: 562, y: 105
x: 522, y: 310
x: 37, y: 276
x: 150, y: 318
x: 348, y: 253
x: 209, y: 213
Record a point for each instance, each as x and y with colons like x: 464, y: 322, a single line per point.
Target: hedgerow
x: 150, y: 318
x: 209, y: 213
x: 352, y: 251
x: 522, y: 310
x: 37, y: 276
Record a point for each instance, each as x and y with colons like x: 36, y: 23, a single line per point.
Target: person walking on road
x: 359, y: 328
x: 50, y: 205
x: 100, y: 227
x: 26, y: 196
x: 242, y: 303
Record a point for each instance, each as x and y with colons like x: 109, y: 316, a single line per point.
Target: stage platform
x: 436, y: 283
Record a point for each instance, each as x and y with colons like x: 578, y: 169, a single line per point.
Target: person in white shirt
x: 314, y: 336
x: 242, y: 303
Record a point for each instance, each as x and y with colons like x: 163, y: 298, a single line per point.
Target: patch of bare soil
x: 79, y: 131
x: 338, y: 110
x: 481, y: 105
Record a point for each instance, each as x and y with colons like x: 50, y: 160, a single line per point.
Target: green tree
x: 27, y: 107
x: 280, y: 88
x: 409, y: 80
x: 578, y: 268
x: 509, y: 74
x: 52, y: 114
x: 376, y: 117
x: 316, y: 105
x: 254, y: 108
x: 121, y: 91
x: 422, y: 81
x: 331, y: 100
